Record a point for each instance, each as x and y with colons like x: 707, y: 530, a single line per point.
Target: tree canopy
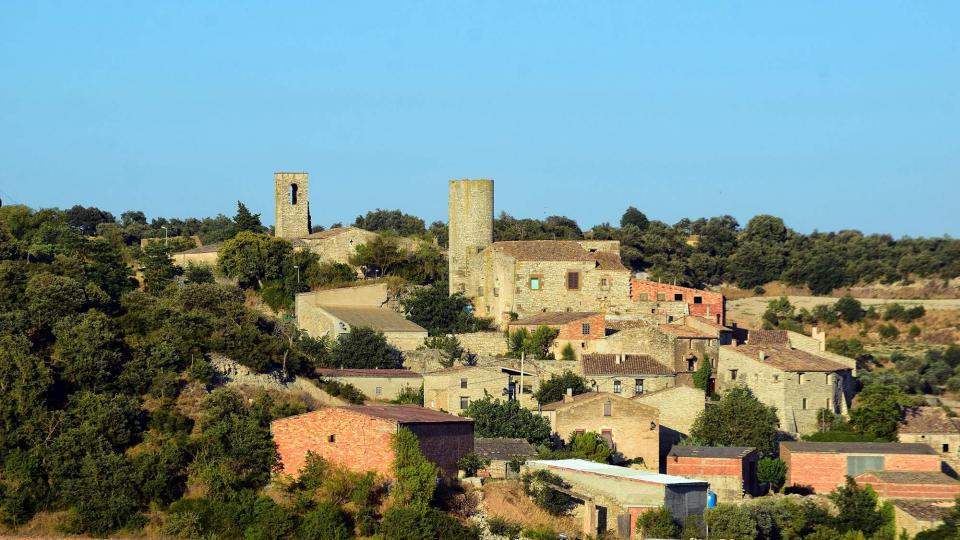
x: 739, y: 419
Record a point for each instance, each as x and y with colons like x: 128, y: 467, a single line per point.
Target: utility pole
x: 523, y: 355
x: 298, y: 275
x: 164, y: 227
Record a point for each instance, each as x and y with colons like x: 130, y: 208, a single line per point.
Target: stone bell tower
x: 291, y: 204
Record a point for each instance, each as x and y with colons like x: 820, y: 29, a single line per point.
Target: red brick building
x: 822, y: 467
x: 359, y: 437
x: 911, y: 485
x: 705, y: 304
x: 730, y: 470
x: 573, y: 326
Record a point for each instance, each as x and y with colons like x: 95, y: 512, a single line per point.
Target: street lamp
x: 298, y: 275
x: 164, y: 227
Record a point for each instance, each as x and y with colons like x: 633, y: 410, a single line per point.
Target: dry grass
x: 506, y: 500
x: 748, y: 310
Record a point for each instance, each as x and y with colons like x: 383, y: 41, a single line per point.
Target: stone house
x: 730, y: 470
x: 334, y: 321
x: 335, y: 245
x: 679, y: 407
x: 198, y: 256
x: 625, y: 375
x: 575, y: 328
x: 797, y: 383
x: 823, y: 466
x: 631, y: 428
x: 615, y: 496
x: 378, y: 384
x: 500, y: 452
x: 359, y: 437
x: 930, y: 426
x: 452, y: 389
x: 913, y: 515
x: 662, y: 297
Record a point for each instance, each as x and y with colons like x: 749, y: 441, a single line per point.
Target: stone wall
x: 679, y: 407
x: 935, y: 441
x: 292, y: 218
x: 629, y: 425
x: 442, y: 390
x: 628, y: 383
x: 483, y: 343
x: 339, y: 248
x: 208, y: 258
x: 470, y: 218
x: 389, y: 387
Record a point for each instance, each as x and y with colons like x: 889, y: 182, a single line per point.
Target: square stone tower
x: 470, y: 208
x: 291, y: 204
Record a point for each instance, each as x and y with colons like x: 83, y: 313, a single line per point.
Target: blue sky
x: 831, y: 115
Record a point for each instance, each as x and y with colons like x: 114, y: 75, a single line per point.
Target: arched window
x: 293, y: 194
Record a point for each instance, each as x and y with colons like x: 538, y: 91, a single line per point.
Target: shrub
x: 344, y: 391
x: 539, y: 533
x: 772, y: 471
x: 471, y: 463
x: 450, y: 346
x: 888, y: 331
x: 409, y: 523
x: 504, y: 527
x: 701, y: 377
x: 537, y: 484
x: 568, y: 353
x: 657, y: 523
x: 849, y: 309
x: 325, y: 522
x: 731, y: 521
x: 200, y: 371
x: 198, y: 273
x: 416, y: 477
x: 497, y: 418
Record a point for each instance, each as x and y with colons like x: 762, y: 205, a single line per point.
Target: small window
x: 534, y: 283
x: 678, y: 297
x: 733, y: 374
x: 799, y: 378
x: 607, y: 435
x: 293, y: 194
x: 776, y: 378
x: 616, y: 386
x: 463, y: 383
x: 691, y: 364
x: 585, y: 329
x: 638, y: 386
x: 608, y: 409
x: 827, y: 378
x: 697, y: 299
x: 579, y: 431
x: 331, y: 438
x: 378, y: 390
x: 644, y: 297
x: 479, y: 291
x: 804, y: 404
x: 603, y: 282
x: 573, y: 280
x: 464, y: 402
x: 496, y: 292
x: 946, y: 448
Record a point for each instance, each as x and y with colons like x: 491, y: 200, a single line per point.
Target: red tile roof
x: 406, y: 414
x: 927, y: 420
x: 631, y: 364
x: 785, y: 358
x: 767, y: 337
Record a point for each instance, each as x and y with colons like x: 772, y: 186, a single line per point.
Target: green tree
x: 50, y: 298
x: 850, y: 309
x: 247, y: 221
x: 90, y: 350
x: 539, y: 486
x: 326, y: 521
x: 591, y: 446
x: 158, y: 268
x: 634, y: 217
x: 556, y: 387
x: 876, y: 411
x: 416, y: 477
x: 657, y: 523
x: 773, y: 472
x: 433, y: 308
x: 499, y: 418
x: 253, y: 258
x: 856, y: 508
x: 329, y: 274
x: 449, y: 345
x: 198, y: 273
x: 364, y: 347
x: 731, y: 521
x: 393, y: 221
x: 701, y: 377
x: 380, y: 256
x: 738, y: 419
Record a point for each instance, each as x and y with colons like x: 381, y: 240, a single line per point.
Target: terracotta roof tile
x: 553, y: 317
x: 927, y: 420
x: 785, y: 358
x: 558, y: 250
x: 924, y: 510
x: 502, y: 448
x: 631, y: 364
x: 768, y: 337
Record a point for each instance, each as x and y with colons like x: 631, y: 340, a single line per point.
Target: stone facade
x: 822, y: 467
x: 679, y: 406
x: 914, y: 515
x: 470, y: 215
x: 378, y: 384
x: 335, y: 245
x: 632, y: 427
x: 930, y: 426
x: 359, y: 438
x: 483, y: 343
x: 200, y: 255
x: 291, y: 203
x: 576, y: 329
x: 626, y: 375
x: 798, y: 384
x: 706, y: 304
x: 453, y: 389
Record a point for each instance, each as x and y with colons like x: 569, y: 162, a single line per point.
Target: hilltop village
x: 603, y: 357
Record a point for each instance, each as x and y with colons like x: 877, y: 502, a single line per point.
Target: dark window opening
x: 463, y: 383
x: 293, y: 194
x: 616, y: 386
x: 946, y: 447
x: 332, y: 438
x: 585, y: 329
x: 464, y: 402
x: 697, y: 299
x: 678, y: 297
x: 573, y: 280
x: 638, y: 386
x: 691, y: 364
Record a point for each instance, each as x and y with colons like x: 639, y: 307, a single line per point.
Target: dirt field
x: 507, y: 500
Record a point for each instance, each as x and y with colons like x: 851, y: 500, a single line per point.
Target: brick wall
x: 728, y: 477
x: 710, y: 307
x: 824, y: 472
x: 361, y: 443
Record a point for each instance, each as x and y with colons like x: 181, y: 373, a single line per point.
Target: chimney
x: 568, y: 397
x: 619, y: 359
x: 763, y: 356
x: 821, y: 337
